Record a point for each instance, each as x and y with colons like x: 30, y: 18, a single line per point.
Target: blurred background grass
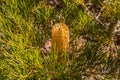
x: 25, y: 26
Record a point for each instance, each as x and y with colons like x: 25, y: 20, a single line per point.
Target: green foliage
x: 25, y: 25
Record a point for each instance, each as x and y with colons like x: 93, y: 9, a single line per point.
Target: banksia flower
x: 60, y: 38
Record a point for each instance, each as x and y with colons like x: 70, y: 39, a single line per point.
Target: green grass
x: 26, y: 25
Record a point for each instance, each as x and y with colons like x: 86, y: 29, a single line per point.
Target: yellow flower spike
x: 60, y: 39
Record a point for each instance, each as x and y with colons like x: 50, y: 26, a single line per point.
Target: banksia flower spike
x: 60, y: 39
